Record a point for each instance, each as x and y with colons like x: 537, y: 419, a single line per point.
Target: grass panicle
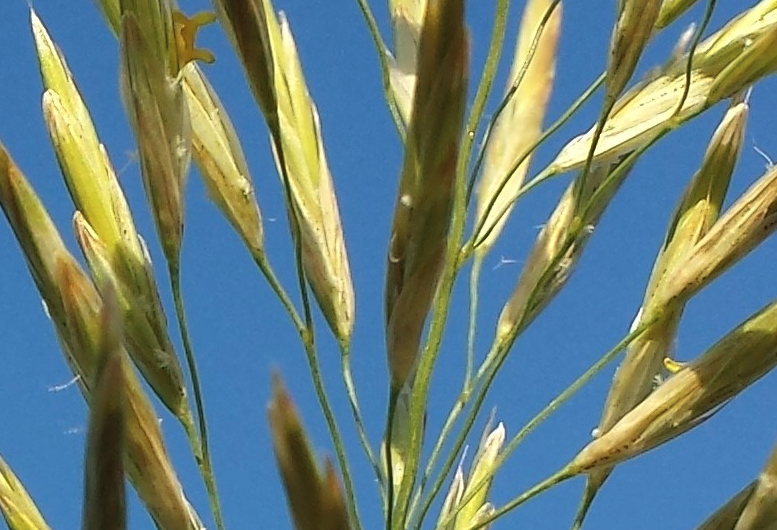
x: 455, y: 173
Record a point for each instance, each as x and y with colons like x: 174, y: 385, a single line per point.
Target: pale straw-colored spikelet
x: 155, y: 359
x: 407, y: 18
x: 74, y: 305
x: 454, y: 515
x: 690, y: 396
x: 154, y: 102
x: 520, y: 122
x: 315, y: 501
x: 219, y: 157
x: 650, y: 107
x: 697, y: 211
x: 480, y: 476
x: 300, y: 156
x: 549, y: 264
x: 424, y: 201
x: 17, y: 508
x: 97, y: 195
x: 633, y: 27
x: 747, y: 223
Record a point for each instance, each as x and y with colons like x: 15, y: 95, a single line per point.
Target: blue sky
x: 240, y: 334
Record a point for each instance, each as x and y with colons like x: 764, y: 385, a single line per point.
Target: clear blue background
x: 241, y: 336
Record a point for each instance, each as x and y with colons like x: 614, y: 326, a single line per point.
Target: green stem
x: 202, y: 453
x: 474, y: 278
x: 392, y: 407
x: 553, y: 480
x: 350, y: 389
x: 264, y: 265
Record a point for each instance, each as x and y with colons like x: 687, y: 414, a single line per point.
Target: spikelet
x: 520, y: 122
x: 246, y: 25
x: 690, y: 396
x: 649, y: 108
x: 697, y: 211
x: 748, y: 222
x: 424, y: 200
x: 633, y: 28
x: 315, y: 501
x: 153, y: 100
x: 299, y: 155
x: 74, y: 306
x: 97, y: 195
x: 480, y: 476
x: 549, y: 264
x: 219, y: 157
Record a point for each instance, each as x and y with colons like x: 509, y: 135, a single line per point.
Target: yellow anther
x: 186, y: 33
x: 672, y: 366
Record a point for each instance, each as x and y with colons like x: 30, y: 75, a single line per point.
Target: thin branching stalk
x: 201, y: 453
x: 546, y: 412
x: 277, y: 288
x: 477, y: 238
x: 350, y: 389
